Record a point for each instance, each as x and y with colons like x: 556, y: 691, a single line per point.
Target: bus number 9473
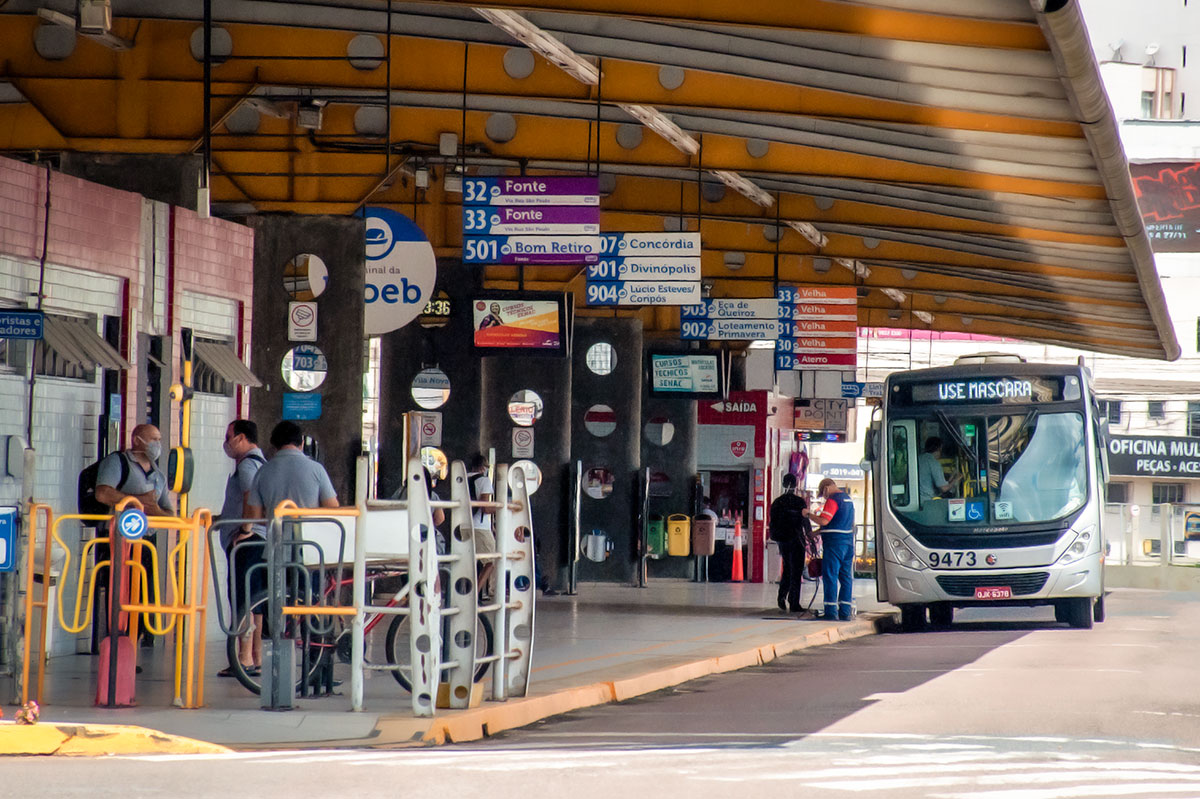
x: 951, y: 559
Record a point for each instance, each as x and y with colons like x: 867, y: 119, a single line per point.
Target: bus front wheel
x: 1079, y: 612
x: 912, y: 618
x: 941, y: 615
x: 1098, y: 608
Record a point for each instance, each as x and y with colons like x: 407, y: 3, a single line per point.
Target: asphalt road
x: 1004, y: 705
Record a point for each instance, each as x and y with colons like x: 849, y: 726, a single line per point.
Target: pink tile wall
x: 97, y: 228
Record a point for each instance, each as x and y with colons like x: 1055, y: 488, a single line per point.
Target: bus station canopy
x: 956, y: 161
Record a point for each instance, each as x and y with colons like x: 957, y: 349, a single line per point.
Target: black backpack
x: 87, y: 502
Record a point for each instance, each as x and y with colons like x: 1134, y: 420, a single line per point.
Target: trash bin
x: 678, y: 530
x: 656, y: 534
x: 704, y: 536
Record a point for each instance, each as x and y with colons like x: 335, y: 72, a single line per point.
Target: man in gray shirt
x: 139, y: 475
x: 241, y: 444
x: 290, y: 474
x: 134, y: 472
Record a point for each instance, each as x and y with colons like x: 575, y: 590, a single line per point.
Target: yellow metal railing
x: 187, y: 584
x: 288, y: 509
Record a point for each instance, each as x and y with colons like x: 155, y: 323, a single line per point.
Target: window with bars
x: 1193, y: 418
x: 1117, y: 493
x: 205, y: 378
x: 14, y: 354
x: 1110, y: 410
x: 1162, y: 493
x: 61, y: 356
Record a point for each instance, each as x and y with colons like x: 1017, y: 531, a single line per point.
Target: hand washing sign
x: 401, y: 269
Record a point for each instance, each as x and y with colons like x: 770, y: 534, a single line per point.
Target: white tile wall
x: 65, y: 411
x: 211, y: 317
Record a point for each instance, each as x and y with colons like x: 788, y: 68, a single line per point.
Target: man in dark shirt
x: 791, y: 530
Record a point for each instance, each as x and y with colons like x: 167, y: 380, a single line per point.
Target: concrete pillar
x: 618, y: 451
x: 500, y: 378
x: 171, y: 179
x: 676, y: 460
x: 340, y: 243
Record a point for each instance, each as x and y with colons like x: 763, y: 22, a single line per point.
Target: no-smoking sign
x: 522, y: 442
x: 429, y: 428
x: 302, y: 321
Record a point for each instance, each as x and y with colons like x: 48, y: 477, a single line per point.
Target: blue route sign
x: 21, y: 324
x: 8, y: 538
x: 132, y: 524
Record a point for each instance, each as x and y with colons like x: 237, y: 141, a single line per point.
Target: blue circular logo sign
x: 132, y: 523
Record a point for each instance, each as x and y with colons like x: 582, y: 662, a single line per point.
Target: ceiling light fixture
x: 543, y: 44
x: 896, y: 295
x: 815, y: 237
x: 309, y: 114
x: 924, y: 316
x: 743, y: 187
x: 860, y: 269
x: 98, y: 16
x: 661, y: 124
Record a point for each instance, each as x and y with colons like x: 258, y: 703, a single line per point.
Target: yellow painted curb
x: 92, y: 740
x: 35, y: 739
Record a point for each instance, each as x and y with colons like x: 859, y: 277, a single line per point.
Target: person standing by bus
x: 791, y: 530
x: 836, y: 520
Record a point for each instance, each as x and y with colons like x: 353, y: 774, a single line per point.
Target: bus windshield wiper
x: 962, y: 443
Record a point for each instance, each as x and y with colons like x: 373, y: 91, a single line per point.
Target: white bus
x: 989, y: 482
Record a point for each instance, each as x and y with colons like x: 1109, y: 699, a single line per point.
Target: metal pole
x: 280, y: 695
x: 116, y: 565
x: 208, y: 22
x: 359, y: 587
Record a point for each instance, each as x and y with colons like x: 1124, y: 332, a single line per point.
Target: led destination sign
x: 1006, y: 390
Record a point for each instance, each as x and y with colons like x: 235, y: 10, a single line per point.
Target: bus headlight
x: 905, y: 556
x: 1079, y: 547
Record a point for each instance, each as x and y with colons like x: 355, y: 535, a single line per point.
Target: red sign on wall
x: 1168, y: 195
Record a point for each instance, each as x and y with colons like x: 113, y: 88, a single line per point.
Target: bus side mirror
x: 1102, y: 441
x: 871, y: 448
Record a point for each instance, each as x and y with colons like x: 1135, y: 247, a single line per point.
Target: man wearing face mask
x: 134, y: 472
x: 139, y: 475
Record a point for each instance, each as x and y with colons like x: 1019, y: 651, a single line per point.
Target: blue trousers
x: 837, y: 574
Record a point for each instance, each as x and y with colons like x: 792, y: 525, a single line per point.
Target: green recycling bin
x: 656, y: 535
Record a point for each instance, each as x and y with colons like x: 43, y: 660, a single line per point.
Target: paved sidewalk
x: 608, y: 643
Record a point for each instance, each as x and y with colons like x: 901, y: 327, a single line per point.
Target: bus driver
x: 931, y: 478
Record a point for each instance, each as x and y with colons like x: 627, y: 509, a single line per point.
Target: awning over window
x: 224, y: 361
x: 78, y: 341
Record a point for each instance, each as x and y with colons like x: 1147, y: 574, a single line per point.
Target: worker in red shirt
x: 836, y: 522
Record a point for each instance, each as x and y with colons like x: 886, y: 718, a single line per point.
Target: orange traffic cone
x: 736, y: 572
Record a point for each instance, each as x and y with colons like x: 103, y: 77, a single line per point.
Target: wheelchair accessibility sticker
x: 132, y: 523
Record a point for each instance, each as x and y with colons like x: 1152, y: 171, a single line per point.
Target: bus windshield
x: 1019, y: 467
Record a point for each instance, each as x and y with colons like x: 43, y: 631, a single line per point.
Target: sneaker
x: 783, y: 606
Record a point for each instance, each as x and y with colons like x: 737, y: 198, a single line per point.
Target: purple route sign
x: 532, y: 190
x: 517, y: 220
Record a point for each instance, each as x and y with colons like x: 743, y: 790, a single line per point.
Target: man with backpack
x: 792, y: 531
x: 241, y: 444
x: 134, y: 472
